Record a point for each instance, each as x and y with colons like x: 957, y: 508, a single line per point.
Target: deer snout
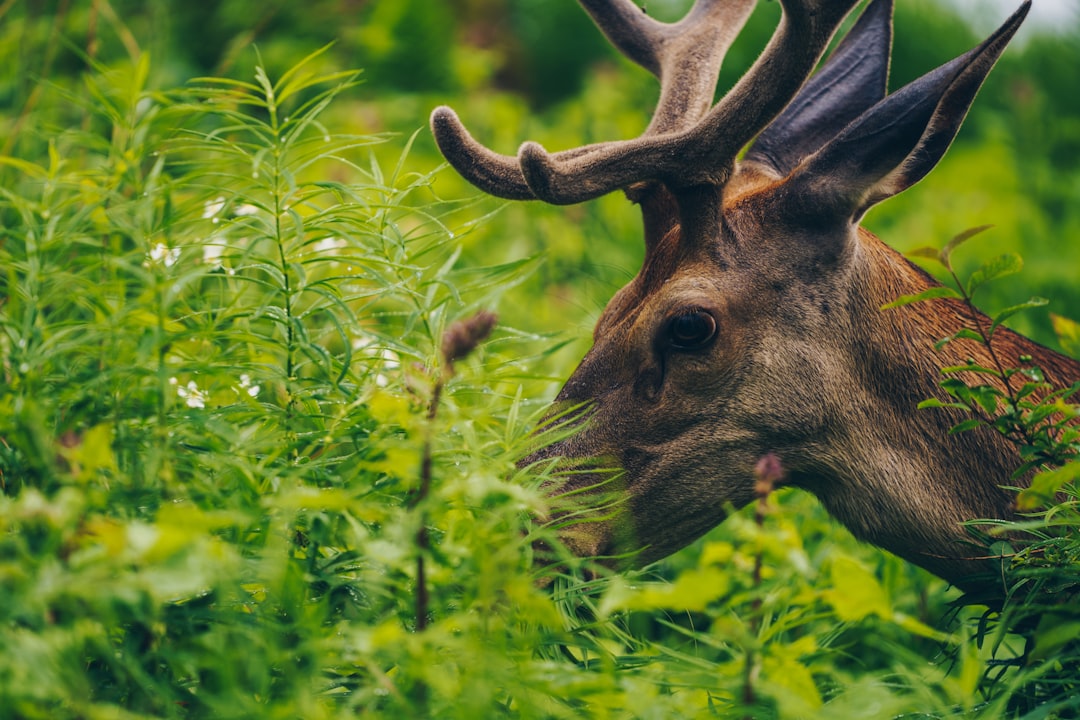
x: 586, y: 500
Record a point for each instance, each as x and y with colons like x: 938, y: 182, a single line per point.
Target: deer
x: 755, y: 324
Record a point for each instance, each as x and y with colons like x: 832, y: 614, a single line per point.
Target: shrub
x: 217, y: 366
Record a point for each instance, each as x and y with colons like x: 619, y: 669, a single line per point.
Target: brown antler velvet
x: 685, y: 56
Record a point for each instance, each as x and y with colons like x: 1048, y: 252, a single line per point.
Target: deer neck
x: 890, y: 472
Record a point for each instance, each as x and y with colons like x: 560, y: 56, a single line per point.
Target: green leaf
x: 691, y: 591
x: 968, y: 334
x: 926, y: 251
x: 1042, y: 411
x: 946, y: 252
x: 798, y: 692
x: 1012, y: 310
x: 28, y: 168
x: 938, y: 291
x: 916, y: 627
x: 1055, y: 632
x: 971, y: 367
x: 962, y: 334
x: 92, y: 453
x: 969, y: 424
x: 988, y: 396
x: 957, y: 388
x: 855, y: 592
x: 1027, y: 389
x: 935, y: 403
x: 998, y: 267
x: 1068, y: 333
x: 1047, y: 484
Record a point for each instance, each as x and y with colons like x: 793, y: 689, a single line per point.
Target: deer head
x: 753, y: 325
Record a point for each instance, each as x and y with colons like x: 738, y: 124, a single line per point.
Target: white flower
x: 385, y: 358
x: 246, y: 386
x: 212, y: 252
x: 162, y: 254
x: 144, y: 106
x: 192, y: 396
x: 212, y: 208
x: 328, y: 244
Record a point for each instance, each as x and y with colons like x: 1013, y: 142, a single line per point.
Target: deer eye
x: 691, y: 329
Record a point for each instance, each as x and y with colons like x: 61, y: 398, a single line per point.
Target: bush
x: 213, y: 418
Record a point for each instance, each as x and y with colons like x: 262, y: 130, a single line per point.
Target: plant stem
x: 460, y: 339
x: 1018, y: 428
x: 767, y: 472
x: 423, y: 541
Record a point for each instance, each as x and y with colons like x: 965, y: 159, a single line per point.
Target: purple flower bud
x: 462, y: 337
x: 768, y: 472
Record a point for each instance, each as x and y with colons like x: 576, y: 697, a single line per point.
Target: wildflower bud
x: 767, y: 473
x: 462, y: 337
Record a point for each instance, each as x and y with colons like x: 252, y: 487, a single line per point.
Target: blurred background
x: 538, y: 69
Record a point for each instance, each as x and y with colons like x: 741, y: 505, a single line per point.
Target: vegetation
x: 257, y: 451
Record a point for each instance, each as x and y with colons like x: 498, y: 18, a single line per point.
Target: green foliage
x: 221, y: 326
x: 215, y: 368
x: 1033, y: 413
x: 240, y: 481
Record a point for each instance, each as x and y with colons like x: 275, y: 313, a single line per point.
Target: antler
x: 680, y: 147
x: 685, y: 56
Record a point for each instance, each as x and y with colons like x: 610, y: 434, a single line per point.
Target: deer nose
x: 593, y: 543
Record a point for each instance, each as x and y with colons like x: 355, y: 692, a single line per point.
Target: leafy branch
x: 1036, y: 416
x: 459, y: 340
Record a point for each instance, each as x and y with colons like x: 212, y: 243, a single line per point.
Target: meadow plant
x: 217, y: 361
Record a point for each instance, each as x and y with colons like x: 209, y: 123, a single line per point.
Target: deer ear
x: 895, y: 143
x: 852, y: 80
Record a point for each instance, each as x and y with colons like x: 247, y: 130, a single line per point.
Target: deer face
x: 709, y: 359
x: 737, y: 336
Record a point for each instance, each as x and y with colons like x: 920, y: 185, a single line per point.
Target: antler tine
x: 703, y: 154
x: 629, y: 29
x: 796, y: 47
x: 495, y: 174
x: 685, y: 56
